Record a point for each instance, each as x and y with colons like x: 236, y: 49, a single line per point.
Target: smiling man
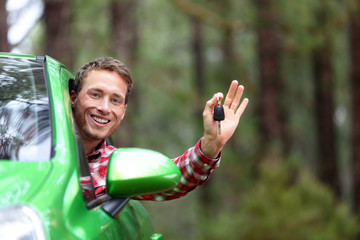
x: 99, y: 101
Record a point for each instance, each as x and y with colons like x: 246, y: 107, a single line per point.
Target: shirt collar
x: 98, y: 150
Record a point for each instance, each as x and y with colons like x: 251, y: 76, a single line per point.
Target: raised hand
x: 212, y: 142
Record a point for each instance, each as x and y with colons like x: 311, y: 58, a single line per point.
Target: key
x: 219, y: 114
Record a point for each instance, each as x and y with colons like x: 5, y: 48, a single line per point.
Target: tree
x: 269, y: 47
x: 324, y: 86
x: 4, y: 44
x: 124, y: 30
x: 124, y: 41
x: 354, y: 29
x: 324, y: 101
x: 57, y: 31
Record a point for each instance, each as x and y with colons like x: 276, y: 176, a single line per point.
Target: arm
x: 197, y: 163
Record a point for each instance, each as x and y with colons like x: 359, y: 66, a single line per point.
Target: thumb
x: 211, y: 103
x: 216, y: 99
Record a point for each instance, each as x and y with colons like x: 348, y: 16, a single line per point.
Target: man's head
x: 99, y: 99
x: 104, y: 63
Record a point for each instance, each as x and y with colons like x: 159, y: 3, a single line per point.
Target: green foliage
x: 282, y: 205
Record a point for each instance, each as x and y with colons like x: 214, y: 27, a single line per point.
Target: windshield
x: 25, y: 129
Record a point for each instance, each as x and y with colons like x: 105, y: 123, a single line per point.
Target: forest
x: 292, y: 168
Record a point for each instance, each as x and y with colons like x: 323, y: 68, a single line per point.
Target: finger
x: 238, y: 95
x: 242, y: 107
x: 210, y: 104
x: 231, y: 93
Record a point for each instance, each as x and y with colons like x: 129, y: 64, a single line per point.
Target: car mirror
x: 135, y: 172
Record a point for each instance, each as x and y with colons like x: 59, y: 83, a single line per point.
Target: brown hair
x: 104, y: 63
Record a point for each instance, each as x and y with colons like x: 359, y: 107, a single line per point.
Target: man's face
x: 100, y: 105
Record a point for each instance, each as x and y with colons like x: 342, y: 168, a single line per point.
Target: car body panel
x: 19, y: 182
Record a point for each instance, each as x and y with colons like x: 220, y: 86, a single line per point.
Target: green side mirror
x: 135, y: 172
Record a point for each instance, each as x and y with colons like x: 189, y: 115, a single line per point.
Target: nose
x: 104, y: 106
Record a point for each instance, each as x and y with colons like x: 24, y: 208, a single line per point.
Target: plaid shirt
x: 195, y: 169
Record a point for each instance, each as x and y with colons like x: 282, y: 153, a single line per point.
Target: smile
x: 99, y: 120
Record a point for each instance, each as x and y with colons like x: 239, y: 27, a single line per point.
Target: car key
x: 219, y: 114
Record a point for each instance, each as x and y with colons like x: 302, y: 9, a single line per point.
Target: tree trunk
x: 323, y: 75
x: 57, y: 31
x: 270, y: 48
x: 199, y: 81
x: 355, y: 88
x: 124, y: 39
x: 228, y: 66
x: 4, y: 44
x: 198, y: 63
x: 124, y: 42
x: 324, y: 98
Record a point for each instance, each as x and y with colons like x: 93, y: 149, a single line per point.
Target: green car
x: 46, y: 189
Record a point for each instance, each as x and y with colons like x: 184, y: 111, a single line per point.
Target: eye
x: 94, y: 95
x: 116, y: 101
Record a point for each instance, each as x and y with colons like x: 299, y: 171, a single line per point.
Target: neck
x: 90, y: 146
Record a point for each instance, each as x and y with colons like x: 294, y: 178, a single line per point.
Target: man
x: 99, y: 102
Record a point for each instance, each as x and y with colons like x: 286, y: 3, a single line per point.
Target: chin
x: 95, y: 136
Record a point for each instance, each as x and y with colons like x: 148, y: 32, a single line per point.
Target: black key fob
x: 219, y: 114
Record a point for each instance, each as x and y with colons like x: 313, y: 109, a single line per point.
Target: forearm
x: 195, y: 168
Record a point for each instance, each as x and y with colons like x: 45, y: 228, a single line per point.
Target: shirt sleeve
x: 195, y: 168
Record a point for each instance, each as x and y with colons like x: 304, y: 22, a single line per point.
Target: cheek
x: 77, y: 107
x: 84, y: 102
x: 120, y: 114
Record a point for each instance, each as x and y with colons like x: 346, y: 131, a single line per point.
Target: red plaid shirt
x: 195, y: 169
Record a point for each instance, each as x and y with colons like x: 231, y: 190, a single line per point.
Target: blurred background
x: 292, y: 168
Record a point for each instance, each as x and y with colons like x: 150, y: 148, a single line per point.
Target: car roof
x: 15, y: 55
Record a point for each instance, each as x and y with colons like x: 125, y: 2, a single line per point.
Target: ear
x: 73, y: 97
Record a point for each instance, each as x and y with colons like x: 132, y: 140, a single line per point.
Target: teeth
x: 99, y: 120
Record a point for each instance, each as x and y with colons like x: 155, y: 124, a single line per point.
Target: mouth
x: 100, y: 120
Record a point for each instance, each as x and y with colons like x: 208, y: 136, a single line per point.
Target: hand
x: 212, y: 142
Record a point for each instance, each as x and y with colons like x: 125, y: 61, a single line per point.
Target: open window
x: 86, y: 183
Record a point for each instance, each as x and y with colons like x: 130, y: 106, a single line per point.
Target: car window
x: 25, y: 124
